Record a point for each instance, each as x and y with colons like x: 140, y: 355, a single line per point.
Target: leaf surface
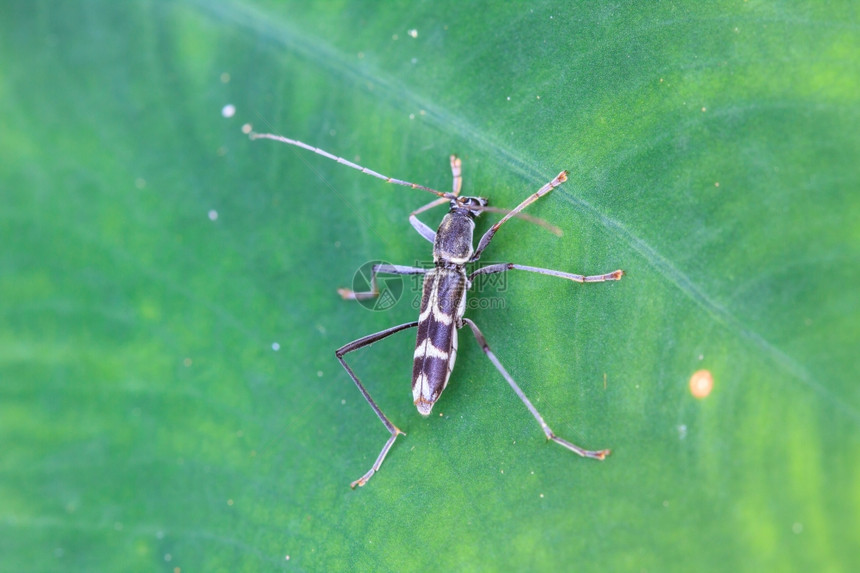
x: 170, y: 399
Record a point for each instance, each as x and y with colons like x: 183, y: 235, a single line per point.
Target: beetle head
x: 472, y: 206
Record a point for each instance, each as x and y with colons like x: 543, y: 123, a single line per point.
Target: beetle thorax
x: 454, y: 238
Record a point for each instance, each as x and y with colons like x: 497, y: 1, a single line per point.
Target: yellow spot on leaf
x: 701, y: 383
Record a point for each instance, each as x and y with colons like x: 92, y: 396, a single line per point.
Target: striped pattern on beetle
x: 443, y: 301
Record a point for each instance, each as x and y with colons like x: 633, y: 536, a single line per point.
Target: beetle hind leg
x: 550, y: 435
x: 392, y: 429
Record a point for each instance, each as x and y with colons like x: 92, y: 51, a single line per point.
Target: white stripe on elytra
x: 442, y: 317
x: 438, y: 315
x: 453, y: 356
x: 426, y: 349
x: 421, y: 394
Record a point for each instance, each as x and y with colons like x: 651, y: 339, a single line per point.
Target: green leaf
x: 169, y: 395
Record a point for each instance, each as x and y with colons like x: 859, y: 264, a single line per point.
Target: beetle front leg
x: 419, y: 225
x: 488, y: 236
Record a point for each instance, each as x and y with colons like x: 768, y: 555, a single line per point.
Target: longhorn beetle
x: 443, y: 300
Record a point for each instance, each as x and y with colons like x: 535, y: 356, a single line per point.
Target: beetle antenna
x: 342, y: 161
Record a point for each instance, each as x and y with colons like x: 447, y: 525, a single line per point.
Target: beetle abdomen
x: 442, y: 305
